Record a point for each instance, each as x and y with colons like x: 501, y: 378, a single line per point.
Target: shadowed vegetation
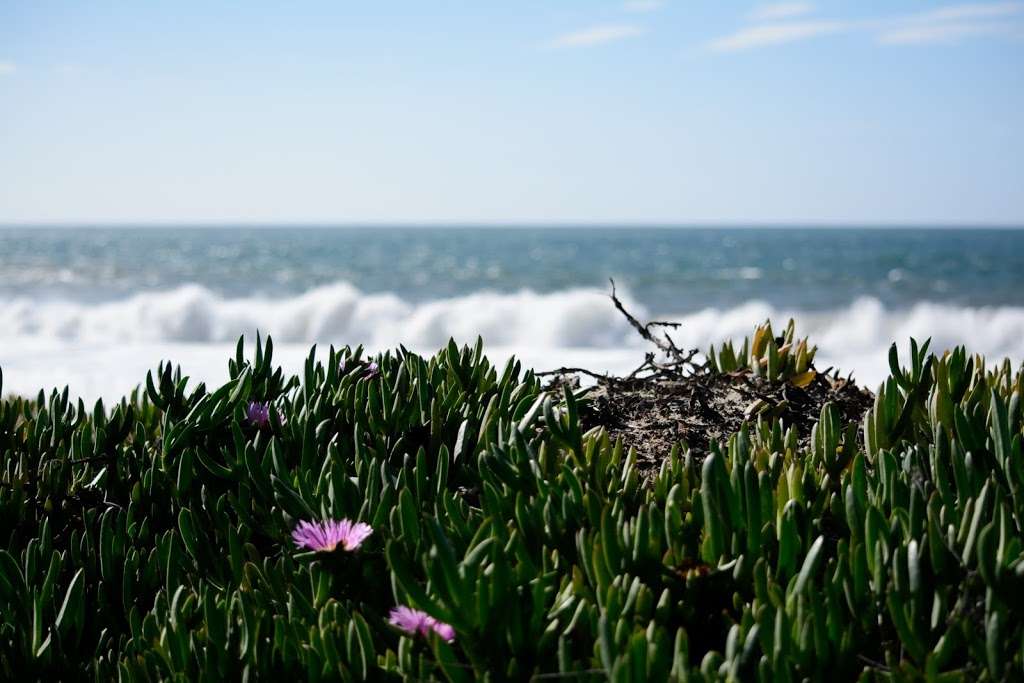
x: 153, y: 540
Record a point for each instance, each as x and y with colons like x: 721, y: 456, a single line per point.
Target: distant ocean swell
x: 575, y: 318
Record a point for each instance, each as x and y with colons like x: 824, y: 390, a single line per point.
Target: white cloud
x: 775, y: 34
x: 951, y: 24
x: 597, y: 35
x: 776, y: 25
x: 643, y: 5
x: 937, y: 33
x: 7, y: 68
x: 781, y: 10
x: 981, y: 10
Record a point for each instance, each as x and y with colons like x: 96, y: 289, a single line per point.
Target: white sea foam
x: 103, y: 349
x: 338, y: 313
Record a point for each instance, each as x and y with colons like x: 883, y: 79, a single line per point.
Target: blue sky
x: 904, y: 111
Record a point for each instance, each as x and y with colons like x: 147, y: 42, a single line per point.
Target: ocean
x: 94, y: 307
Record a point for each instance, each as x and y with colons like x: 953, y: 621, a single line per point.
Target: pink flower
x: 258, y: 414
x: 414, y: 621
x: 327, y: 535
x: 369, y: 368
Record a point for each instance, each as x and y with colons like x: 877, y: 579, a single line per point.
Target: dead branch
x: 680, y: 358
x: 570, y: 371
x: 643, y: 330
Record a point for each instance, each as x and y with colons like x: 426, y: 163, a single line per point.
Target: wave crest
x: 337, y: 313
x: 576, y: 318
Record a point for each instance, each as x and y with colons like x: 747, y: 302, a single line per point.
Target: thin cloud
x: 597, y: 35
x: 938, y: 33
x: 781, y: 10
x: 983, y: 10
x: 952, y: 24
x: 949, y: 24
x: 7, y: 68
x: 643, y: 5
x: 775, y: 34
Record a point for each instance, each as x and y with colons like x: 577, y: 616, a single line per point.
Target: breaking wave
x: 852, y: 337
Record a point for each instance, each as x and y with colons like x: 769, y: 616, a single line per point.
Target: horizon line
x: 526, y: 224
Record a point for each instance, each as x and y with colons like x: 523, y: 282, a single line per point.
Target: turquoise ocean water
x: 681, y: 269
x: 94, y: 306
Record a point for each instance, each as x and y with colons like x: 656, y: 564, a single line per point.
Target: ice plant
x: 414, y: 621
x: 370, y: 369
x: 327, y: 535
x: 258, y: 414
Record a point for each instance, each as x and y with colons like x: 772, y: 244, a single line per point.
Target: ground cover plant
x: 443, y: 518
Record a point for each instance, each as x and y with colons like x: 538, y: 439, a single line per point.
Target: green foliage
x: 152, y: 541
x: 763, y: 355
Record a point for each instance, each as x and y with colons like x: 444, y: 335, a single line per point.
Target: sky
x: 642, y: 111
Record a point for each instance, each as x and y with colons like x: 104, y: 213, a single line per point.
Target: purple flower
x: 414, y: 621
x: 370, y: 369
x: 258, y: 414
x: 327, y: 535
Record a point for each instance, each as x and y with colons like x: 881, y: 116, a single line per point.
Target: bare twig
x: 665, y: 343
x: 643, y: 330
x: 569, y: 371
x: 679, y: 360
x: 878, y: 665
x: 663, y: 323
